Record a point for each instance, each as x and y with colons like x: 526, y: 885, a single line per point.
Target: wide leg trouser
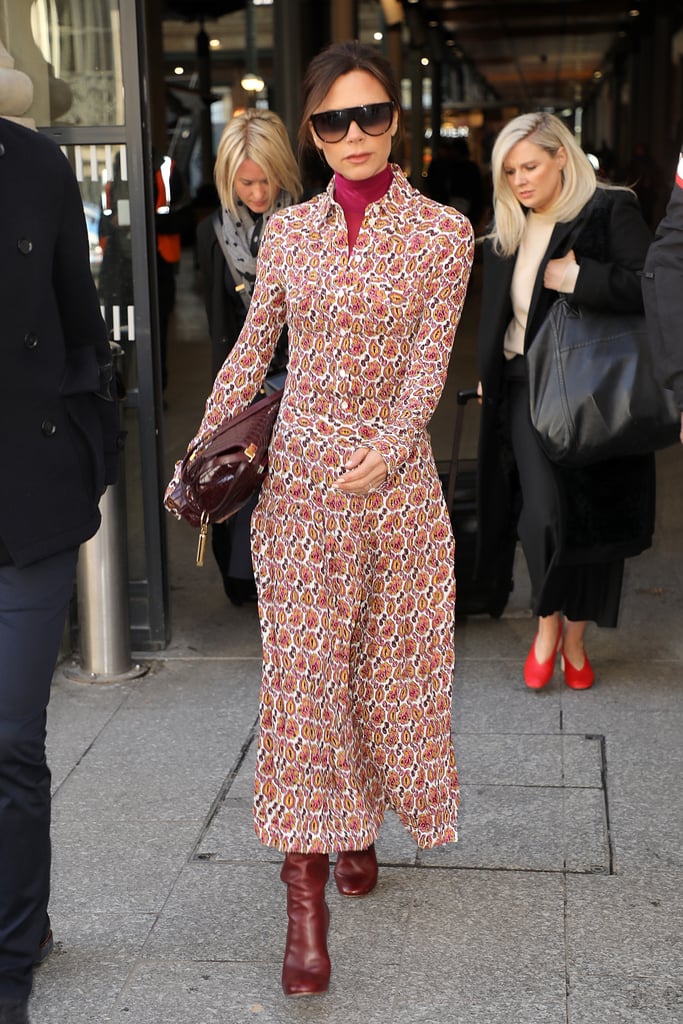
x: 581, y: 591
x: 33, y: 605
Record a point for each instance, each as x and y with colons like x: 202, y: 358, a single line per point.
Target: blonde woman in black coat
x: 256, y: 174
x: 556, y: 230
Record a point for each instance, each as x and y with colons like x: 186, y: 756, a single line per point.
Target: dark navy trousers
x: 33, y: 606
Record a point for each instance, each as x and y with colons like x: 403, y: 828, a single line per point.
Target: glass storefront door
x: 86, y: 65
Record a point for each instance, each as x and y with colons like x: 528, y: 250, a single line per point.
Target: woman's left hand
x: 556, y: 269
x: 366, y: 470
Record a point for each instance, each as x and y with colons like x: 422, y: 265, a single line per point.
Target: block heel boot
x: 306, y: 966
x: 356, y: 871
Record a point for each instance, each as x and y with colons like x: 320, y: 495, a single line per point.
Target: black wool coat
x: 608, y: 509
x: 58, y: 422
x: 225, y: 310
x: 663, y: 292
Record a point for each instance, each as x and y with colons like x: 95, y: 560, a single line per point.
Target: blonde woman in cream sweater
x: 555, y: 230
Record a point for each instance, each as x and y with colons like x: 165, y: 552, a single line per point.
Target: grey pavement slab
x: 236, y: 993
x: 116, y: 867
x: 76, y: 716
x: 625, y: 925
x: 527, y: 829
x: 626, y: 998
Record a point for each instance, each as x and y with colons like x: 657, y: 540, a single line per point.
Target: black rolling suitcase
x: 485, y: 594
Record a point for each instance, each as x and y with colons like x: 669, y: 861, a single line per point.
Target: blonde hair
x: 578, y: 177
x: 261, y: 136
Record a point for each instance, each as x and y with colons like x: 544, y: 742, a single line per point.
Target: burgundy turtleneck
x: 354, y: 196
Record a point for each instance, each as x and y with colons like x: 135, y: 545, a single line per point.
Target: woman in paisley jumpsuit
x: 352, y: 544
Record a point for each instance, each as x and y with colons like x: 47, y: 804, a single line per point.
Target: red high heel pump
x: 536, y: 673
x: 578, y: 678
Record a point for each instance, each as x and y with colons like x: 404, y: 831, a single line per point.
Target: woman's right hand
x: 553, y: 277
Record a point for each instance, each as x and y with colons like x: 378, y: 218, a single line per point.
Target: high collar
x: 400, y: 191
x: 354, y: 196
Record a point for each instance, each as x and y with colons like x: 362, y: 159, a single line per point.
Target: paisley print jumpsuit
x: 356, y: 592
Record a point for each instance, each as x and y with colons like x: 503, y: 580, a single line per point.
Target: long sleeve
x: 245, y: 368
x: 425, y: 376
x: 614, y: 283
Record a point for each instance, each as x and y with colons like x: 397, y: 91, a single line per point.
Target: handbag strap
x: 218, y: 229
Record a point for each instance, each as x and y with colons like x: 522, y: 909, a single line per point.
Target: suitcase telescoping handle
x: 464, y: 396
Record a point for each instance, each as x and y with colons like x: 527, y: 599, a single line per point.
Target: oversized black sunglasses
x: 371, y: 118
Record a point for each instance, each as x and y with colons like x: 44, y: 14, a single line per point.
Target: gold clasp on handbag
x: 201, y: 542
x: 250, y: 451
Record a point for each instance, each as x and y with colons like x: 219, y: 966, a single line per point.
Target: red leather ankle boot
x: 306, y: 967
x: 356, y: 871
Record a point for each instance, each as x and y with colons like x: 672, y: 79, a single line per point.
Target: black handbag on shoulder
x: 592, y: 389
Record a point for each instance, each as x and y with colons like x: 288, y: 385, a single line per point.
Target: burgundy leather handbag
x: 216, y: 481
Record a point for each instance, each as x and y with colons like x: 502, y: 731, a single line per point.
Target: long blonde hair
x: 578, y: 177
x: 258, y: 135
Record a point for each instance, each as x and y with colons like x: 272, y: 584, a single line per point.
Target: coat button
x: 2, y: 149
x: 48, y: 428
x: 25, y: 245
x: 30, y: 340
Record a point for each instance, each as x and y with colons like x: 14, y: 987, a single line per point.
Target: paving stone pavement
x: 561, y: 904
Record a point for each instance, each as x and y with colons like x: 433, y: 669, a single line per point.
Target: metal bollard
x: 102, y: 591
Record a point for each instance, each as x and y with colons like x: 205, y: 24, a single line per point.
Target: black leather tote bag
x: 592, y: 389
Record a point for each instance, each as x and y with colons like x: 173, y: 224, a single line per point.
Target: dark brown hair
x: 329, y: 65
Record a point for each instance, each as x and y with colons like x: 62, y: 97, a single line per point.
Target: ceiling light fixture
x: 252, y: 82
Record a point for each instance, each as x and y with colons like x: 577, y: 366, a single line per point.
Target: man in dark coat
x: 663, y: 293
x: 60, y: 448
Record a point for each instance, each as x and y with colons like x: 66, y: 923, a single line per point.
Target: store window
x: 71, y: 51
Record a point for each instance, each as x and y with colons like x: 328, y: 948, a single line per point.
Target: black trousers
x: 33, y: 605
x: 589, y: 591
